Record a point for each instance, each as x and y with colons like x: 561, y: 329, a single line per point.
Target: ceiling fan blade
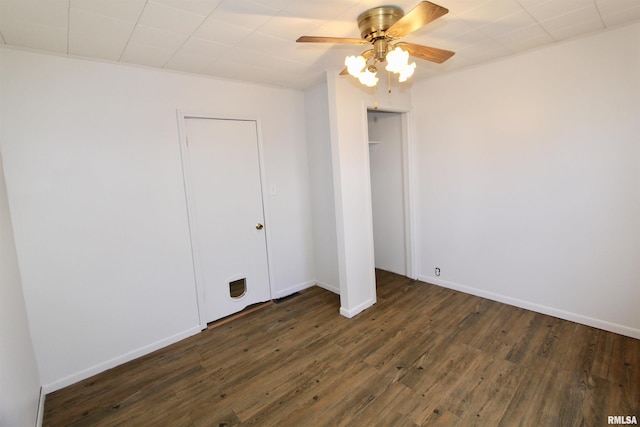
x: 425, y: 52
x: 417, y: 17
x: 314, y: 39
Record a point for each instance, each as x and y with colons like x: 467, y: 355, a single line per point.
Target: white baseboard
x: 40, y: 415
x: 293, y: 289
x: 349, y: 313
x: 543, y: 309
x: 86, y: 373
x: 330, y: 288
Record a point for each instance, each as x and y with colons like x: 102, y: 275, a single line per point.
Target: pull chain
x: 375, y: 97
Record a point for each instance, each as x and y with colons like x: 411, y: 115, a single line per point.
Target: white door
x: 226, y: 214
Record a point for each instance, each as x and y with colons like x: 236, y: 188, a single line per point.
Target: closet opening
x: 388, y: 160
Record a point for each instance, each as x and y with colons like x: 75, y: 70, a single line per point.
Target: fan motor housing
x: 373, y: 23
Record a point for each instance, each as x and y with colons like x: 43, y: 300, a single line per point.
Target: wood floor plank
x: 490, y: 397
x: 439, y: 378
x: 384, y: 410
x: 505, y: 333
x: 422, y: 355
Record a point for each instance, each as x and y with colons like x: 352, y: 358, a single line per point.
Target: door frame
x: 407, y: 183
x: 199, y: 288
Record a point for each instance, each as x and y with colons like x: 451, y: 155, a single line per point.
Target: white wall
x: 321, y: 185
x: 19, y: 383
x: 95, y: 187
x: 348, y: 103
x: 387, y: 190
x: 529, y: 179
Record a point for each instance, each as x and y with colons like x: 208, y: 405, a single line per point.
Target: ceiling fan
x: 381, y: 27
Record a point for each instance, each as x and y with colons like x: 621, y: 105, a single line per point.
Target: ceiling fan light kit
x: 355, y: 65
x: 381, y: 27
x: 368, y: 78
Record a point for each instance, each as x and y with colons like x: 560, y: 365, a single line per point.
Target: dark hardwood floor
x: 423, y: 355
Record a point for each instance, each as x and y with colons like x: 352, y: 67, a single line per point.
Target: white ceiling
x: 254, y: 40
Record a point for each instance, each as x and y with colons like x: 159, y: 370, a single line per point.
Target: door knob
x: 259, y: 226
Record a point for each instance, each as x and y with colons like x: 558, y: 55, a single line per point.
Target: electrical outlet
x: 437, y: 271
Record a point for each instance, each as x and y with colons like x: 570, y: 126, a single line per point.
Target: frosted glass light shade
x: 368, y: 78
x: 355, y: 64
x: 407, y: 72
x: 397, y: 60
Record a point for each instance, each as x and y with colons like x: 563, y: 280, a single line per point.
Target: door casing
x: 411, y: 251
x: 199, y: 288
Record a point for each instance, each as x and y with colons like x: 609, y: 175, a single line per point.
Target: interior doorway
x: 389, y: 196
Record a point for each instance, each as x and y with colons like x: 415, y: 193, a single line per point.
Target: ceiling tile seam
x: 190, y: 36
x: 282, y: 13
x: 325, y: 21
x: 267, y: 21
x: 68, y: 23
x: 474, y: 28
x: 595, y: 4
x: 133, y: 29
x: 536, y: 21
x: 497, y: 42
